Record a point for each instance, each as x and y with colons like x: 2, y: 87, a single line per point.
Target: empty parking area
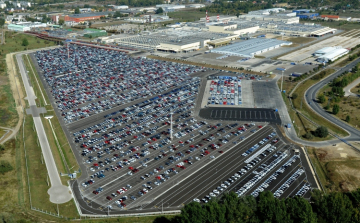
x: 118, y: 118
x: 241, y: 114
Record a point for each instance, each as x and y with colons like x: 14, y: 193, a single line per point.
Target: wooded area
x: 330, y: 208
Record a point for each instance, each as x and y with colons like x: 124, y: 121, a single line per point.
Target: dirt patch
x: 3, y: 80
x: 341, y: 166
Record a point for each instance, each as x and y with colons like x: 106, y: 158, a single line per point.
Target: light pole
x: 171, y: 126
x: 282, y: 75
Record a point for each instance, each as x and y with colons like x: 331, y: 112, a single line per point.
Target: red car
x: 260, y: 126
x: 182, y: 167
x: 95, y: 192
x: 131, y: 168
x: 221, y: 151
x: 109, y: 198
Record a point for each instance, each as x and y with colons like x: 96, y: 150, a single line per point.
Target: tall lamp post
x: 282, y: 75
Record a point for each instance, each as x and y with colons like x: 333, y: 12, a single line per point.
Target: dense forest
x: 323, y: 208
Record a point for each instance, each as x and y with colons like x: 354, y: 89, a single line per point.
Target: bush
x: 294, y: 96
x: 336, y: 109
x: 308, y: 135
x: 321, y: 132
x: 321, y: 98
x: 5, y: 166
x: 347, y: 118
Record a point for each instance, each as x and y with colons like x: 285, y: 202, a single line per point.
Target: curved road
x: 310, y: 97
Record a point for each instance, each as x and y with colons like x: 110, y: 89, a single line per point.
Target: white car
x: 216, y: 191
x: 196, y: 200
x: 130, y: 173
x: 212, y: 157
x: 223, y: 186
x: 128, y: 186
x: 212, y: 194
x: 197, y: 158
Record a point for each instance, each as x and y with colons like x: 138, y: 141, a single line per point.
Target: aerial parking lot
x: 117, y: 113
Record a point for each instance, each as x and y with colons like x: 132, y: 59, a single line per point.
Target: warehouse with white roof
x: 250, y: 48
x: 327, y: 54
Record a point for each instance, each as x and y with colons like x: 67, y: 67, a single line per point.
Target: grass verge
x: 301, y: 106
x: 62, y: 152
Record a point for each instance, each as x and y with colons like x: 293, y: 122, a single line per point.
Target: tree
x: 308, y: 135
x: 347, y: 118
x: 159, y: 10
x: 61, y: 22
x: 5, y: 166
x: 290, y: 78
x: 2, y: 22
x: 321, y: 132
x: 77, y: 11
x: 25, y: 42
x: 336, y: 109
x: 294, y: 96
x: 300, y: 210
x: 321, y: 98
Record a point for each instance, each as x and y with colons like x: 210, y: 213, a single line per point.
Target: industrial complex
x: 154, y: 109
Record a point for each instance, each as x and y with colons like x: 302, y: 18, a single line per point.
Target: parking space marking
x: 203, y: 166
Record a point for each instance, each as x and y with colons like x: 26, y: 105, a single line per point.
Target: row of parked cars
x: 274, y: 176
x: 288, y: 182
x: 92, y: 80
x: 162, y: 177
x: 259, y: 175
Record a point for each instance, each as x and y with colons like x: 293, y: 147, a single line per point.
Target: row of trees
x: 331, y: 208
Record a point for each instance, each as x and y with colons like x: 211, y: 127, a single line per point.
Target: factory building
x: 93, y: 33
x: 330, y: 17
x: 175, y: 40
x: 234, y: 28
x: 25, y: 26
x: 330, y: 53
x: 250, y: 48
x: 295, y: 29
x: 85, y: 17
x: 301, y: 11
x: 310, y: 15
x: 273, y: 18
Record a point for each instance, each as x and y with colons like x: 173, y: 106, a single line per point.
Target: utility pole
x: 171, y: 126
x: 282, y: 76
x: 58, y: 209
x: 282, y: 79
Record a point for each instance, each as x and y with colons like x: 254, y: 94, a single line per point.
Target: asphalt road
x: 310, y: 97
x: 58, y: 192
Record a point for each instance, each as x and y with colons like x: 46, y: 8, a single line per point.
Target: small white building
x: 168, y: 7
x: 2, y: 5
x: 118, y: 7
x: 25, y: 4
x: 197, y: 6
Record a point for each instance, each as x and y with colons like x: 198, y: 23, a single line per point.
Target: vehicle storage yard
x: 116, y: 112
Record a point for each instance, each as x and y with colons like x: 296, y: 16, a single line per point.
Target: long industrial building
x: 327, y: 54
x: 174, y: 40
x: 250, y: 48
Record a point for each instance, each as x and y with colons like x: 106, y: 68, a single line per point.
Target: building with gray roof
x: 250, y: 48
